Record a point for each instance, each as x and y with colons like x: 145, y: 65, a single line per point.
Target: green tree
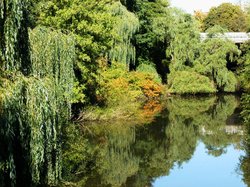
x: 124, y: 28
x: 35, y: 89
x: 14, y: 45
x: 214, y: 54
x: 183, y: 42
x: 228, y: 16
x: 91, y: 23
x: 244, y: 66
x: 152, y: 38
x: 183, y: 51
x: 103, y: 31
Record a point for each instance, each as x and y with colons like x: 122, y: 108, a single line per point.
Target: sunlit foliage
x: 122, y: 93
x: 14, y: 53
x: 125, y: 26
x: 212, y: 62
x: 244, y: 66
x: 30, y: 120
x: 184, y: 41
x: 228, y: 16
x: 188, y: 82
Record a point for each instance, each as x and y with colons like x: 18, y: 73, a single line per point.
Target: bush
x: 150, y: 69
x: 231, y: 82
x: 185, y: 82
x: 123, y: 93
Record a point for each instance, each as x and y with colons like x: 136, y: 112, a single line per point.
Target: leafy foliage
x: 91, y: 24
x: 102, y: 29
x: 200, y: 16
x: 152, y: 38
x: 212, y: 62
x: 244, y: 66
x: 14, y: 53
x: 150, y: 69
x: 122, y: 93
x: 228, y: 16
x: 187, y: 82
x: 125, y: 26
x: 184, y: 41
x: 36, y: 106
x: 193, y: 62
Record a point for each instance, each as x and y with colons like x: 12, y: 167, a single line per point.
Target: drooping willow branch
x: 35, y: 94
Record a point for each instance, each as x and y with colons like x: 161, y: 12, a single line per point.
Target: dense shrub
x: 150, y: 69
x: 119, y: 86
x: 185, y: 82
x: 123, y: 94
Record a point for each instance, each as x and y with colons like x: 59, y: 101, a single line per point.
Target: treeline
x: 114, y: 39
x: 231, y: 17
x: 129, y: 51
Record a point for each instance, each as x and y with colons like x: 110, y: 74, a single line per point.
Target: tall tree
x: 183, y: 42
x: 14, y: 46
x: 35, y: 89
x: 244, y: 66
x: 214, y: 54
x: 153, y: 36
x: 228, y: 16
x: 102, y: 29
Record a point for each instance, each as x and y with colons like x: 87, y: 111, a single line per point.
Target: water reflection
x: 124, y: 154
x: 245, y: 161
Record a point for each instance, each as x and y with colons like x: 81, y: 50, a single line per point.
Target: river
x: 191, y: 142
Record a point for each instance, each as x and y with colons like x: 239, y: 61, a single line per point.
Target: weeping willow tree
x: 14, y: 53
x: 126, y: 25
x: 183, y: 42
x: 244, y: 66
x: 33, y: 107
x: 182, y: 51
x: 214, y: 54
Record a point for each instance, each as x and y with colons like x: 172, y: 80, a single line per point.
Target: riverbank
x: 141, y: 112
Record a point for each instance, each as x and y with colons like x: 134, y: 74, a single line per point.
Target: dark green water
x: 192, y: 142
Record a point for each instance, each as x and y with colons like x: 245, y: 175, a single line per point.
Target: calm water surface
x: 206, y: 170
x: 193, y: 142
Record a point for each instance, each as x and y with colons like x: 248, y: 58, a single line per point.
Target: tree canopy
x: 228, y: 16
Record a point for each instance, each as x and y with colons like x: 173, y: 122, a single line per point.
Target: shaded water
x: 191, y: 142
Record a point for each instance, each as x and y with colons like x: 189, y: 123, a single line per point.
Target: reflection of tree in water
x: 129, y: 155
x: 120, y: 161
x: 208, y: 116
x: 103, y: 158
x: 245, y: 161
x: 215, y: 134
